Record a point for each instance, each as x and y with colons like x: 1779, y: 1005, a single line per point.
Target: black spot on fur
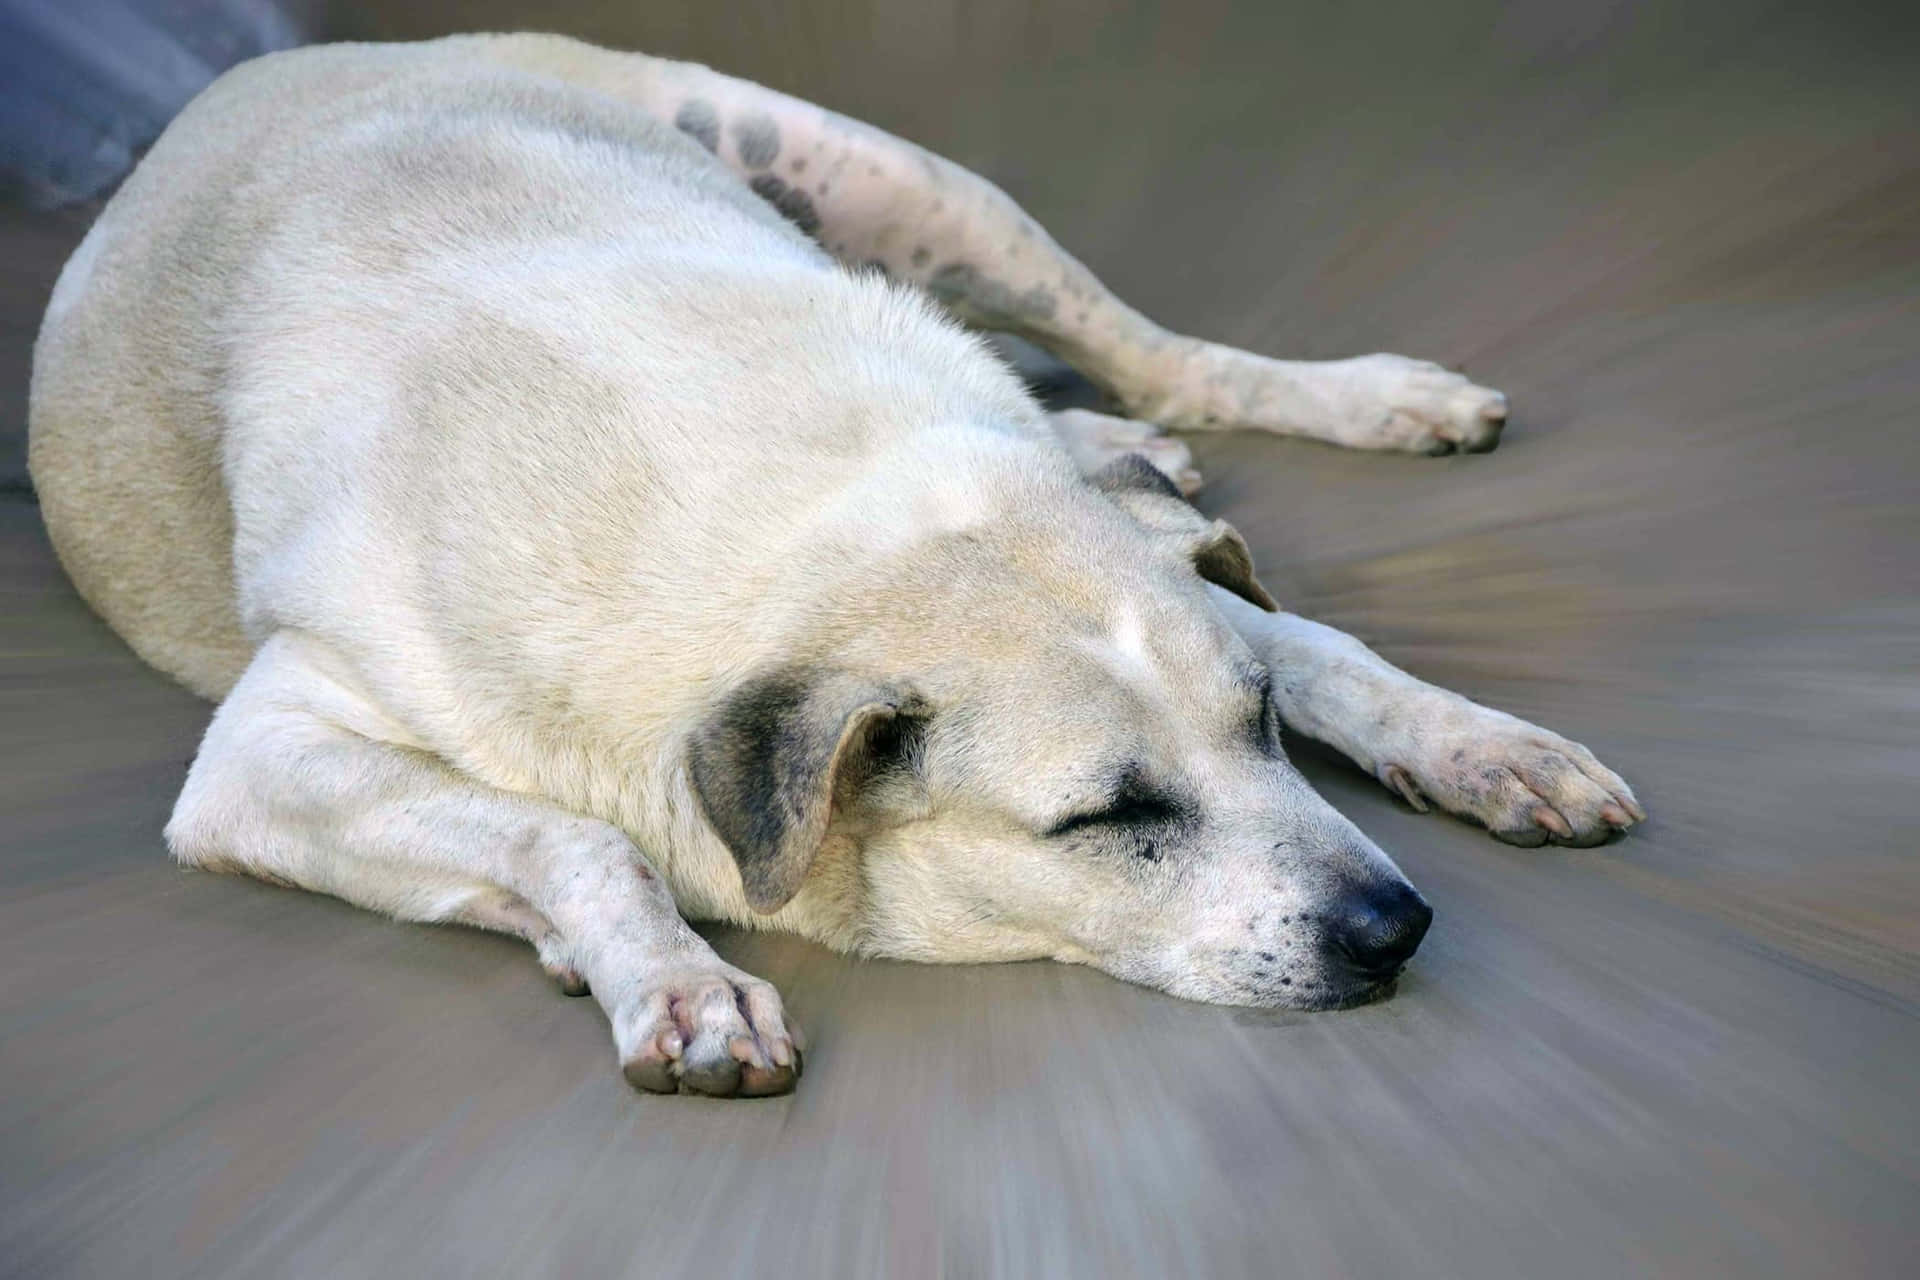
x: 921, y: 256
x: 699, y: 121
x: 966, y: 287
x: 795, y: 205
x: 757, y: 138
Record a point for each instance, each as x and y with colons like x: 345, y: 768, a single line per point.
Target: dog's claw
x: 652, y: 1071
x: 1616, y: 816
x: 1400, y: 780
x: 1552, y: 821
x: 743, y: 1049
x: 766, y: 1082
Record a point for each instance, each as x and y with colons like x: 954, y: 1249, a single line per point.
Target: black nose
x: 1378, y: 928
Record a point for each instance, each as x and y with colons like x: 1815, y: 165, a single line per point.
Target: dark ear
x: 1218, y: 552
x: 768, y: 760
x: 1131, y: 472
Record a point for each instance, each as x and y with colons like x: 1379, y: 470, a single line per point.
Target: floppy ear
x: 1218, y: 552
x: 768, y: 760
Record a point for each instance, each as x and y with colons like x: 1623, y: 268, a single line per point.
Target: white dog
x: 575, y: 545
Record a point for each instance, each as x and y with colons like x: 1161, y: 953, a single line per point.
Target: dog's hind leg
x: 300, y: 780
x: 1525, y: 784
x: 871, y: 198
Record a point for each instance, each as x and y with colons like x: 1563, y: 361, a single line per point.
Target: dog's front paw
x: 1523, y: 783
x: 1414, y: 406
x: 710, y: 1029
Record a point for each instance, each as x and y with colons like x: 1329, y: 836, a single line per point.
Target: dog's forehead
x: 1141, y: 688
x: 1168, y: 648
x: 1125, y: 651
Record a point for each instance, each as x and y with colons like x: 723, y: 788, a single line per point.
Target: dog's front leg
x: 1525, y: 784
x: 303, y: 779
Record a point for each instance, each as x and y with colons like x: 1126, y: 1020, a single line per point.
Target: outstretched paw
x: 1523, y: 783
x: 711, y: 1030
x: 1391, y: 402
x: 1381, y: 402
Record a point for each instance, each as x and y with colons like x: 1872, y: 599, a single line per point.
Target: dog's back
x: 408, y: 292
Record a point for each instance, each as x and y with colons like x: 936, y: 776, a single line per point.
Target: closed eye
x: 1134, y: 806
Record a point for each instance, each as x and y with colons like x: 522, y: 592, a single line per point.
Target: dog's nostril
x: 1379, y: 928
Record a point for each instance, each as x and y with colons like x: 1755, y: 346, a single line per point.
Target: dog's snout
x: 1378, y: 928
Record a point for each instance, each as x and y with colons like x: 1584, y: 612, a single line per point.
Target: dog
x: 568, y: 472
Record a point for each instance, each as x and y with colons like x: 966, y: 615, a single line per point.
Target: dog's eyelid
x: 1133, y: 801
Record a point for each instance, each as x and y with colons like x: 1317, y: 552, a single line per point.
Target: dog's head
x: 1035, y: 735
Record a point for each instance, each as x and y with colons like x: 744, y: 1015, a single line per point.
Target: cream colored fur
x: 474, y: 433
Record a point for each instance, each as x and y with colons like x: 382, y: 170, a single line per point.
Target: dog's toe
x: 721, y: 1034
x: 1526, y: 785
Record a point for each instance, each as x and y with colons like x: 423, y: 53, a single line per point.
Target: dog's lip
x: 1375, y: 973
x: 1324, y: 999
x: 1371, y: 991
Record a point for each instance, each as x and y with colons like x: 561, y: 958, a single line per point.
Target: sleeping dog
x: 565, y: 469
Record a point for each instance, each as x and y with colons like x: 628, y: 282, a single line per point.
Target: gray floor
x: 1687, y: 243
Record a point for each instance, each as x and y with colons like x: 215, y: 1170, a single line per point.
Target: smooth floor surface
x: 1686, y: 243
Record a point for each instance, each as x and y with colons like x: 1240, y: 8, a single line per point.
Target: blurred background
x: 1685, y: 238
